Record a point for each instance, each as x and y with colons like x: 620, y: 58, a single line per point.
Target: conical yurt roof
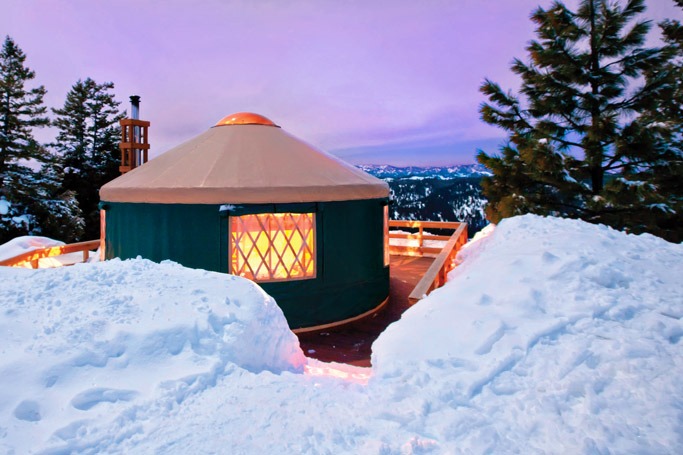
x: 244, y: 159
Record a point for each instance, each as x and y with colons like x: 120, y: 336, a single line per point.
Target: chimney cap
x: 135, y: 99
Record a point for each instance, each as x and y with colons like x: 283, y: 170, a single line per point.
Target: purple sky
x: 383, y: 81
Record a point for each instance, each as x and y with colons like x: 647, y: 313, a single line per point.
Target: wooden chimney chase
x: 134, y: 143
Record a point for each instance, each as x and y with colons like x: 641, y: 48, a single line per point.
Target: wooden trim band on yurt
x: 332, y: 325
x: 244, y: 195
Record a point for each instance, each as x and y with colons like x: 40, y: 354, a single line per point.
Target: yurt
x: 246, y: 198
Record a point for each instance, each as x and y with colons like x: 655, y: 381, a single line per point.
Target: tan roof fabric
x: 241, y: 164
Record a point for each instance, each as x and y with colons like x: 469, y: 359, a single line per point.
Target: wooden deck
x: 352, y: 343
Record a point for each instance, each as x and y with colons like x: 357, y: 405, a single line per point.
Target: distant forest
x: 435, y: 194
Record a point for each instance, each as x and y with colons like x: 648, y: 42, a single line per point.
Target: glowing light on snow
x: 44, y: 256
x: 350, y: 373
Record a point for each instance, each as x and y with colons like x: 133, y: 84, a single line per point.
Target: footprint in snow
x: 28, y: 410
x: 485, y: 299
x: 92, y: 397
x: 550, y: 258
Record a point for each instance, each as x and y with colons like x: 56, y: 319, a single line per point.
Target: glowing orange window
x: 387, y: 257
x: 103, y: 234
x: 273, y: 246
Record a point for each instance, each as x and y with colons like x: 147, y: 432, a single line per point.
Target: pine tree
x: 21, y: 110
x: 88, y: 143
x: 44, y: 208
x: 580, y: 143
x: 666, y: 114
x: 57, y: 211
x: 30, y: 178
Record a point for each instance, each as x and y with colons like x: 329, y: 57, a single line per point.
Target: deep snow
x: 551, y: 336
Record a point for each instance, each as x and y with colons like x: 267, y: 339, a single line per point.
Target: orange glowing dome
x: 245, y: 118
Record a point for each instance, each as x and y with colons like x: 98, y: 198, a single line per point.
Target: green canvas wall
x: 351, y: 277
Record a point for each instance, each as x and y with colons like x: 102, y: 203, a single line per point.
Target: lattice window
x: 273, y: 246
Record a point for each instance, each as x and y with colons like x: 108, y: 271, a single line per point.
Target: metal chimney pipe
x: 135, y: 115
x: 135, y: 107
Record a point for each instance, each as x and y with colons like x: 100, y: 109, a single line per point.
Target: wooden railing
x: 444, y: 262
x: 435, y: 276
x: 33, y: 257
x: 420, y: 236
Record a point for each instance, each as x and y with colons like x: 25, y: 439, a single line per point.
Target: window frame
x: 272, y: 235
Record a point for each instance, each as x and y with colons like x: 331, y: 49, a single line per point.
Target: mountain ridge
x: 387, y: 171
x: 435, y: 193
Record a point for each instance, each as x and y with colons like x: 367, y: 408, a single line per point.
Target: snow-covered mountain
x: 435, y: 193
x: 385, y: 171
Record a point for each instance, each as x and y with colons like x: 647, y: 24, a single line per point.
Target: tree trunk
x: 594, y: 149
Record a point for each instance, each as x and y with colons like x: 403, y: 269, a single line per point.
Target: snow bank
x: 90, y: 349
x: 552, y: 336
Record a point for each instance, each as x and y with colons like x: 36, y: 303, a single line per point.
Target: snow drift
x: 552, y: 336
x: 82, y: 343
